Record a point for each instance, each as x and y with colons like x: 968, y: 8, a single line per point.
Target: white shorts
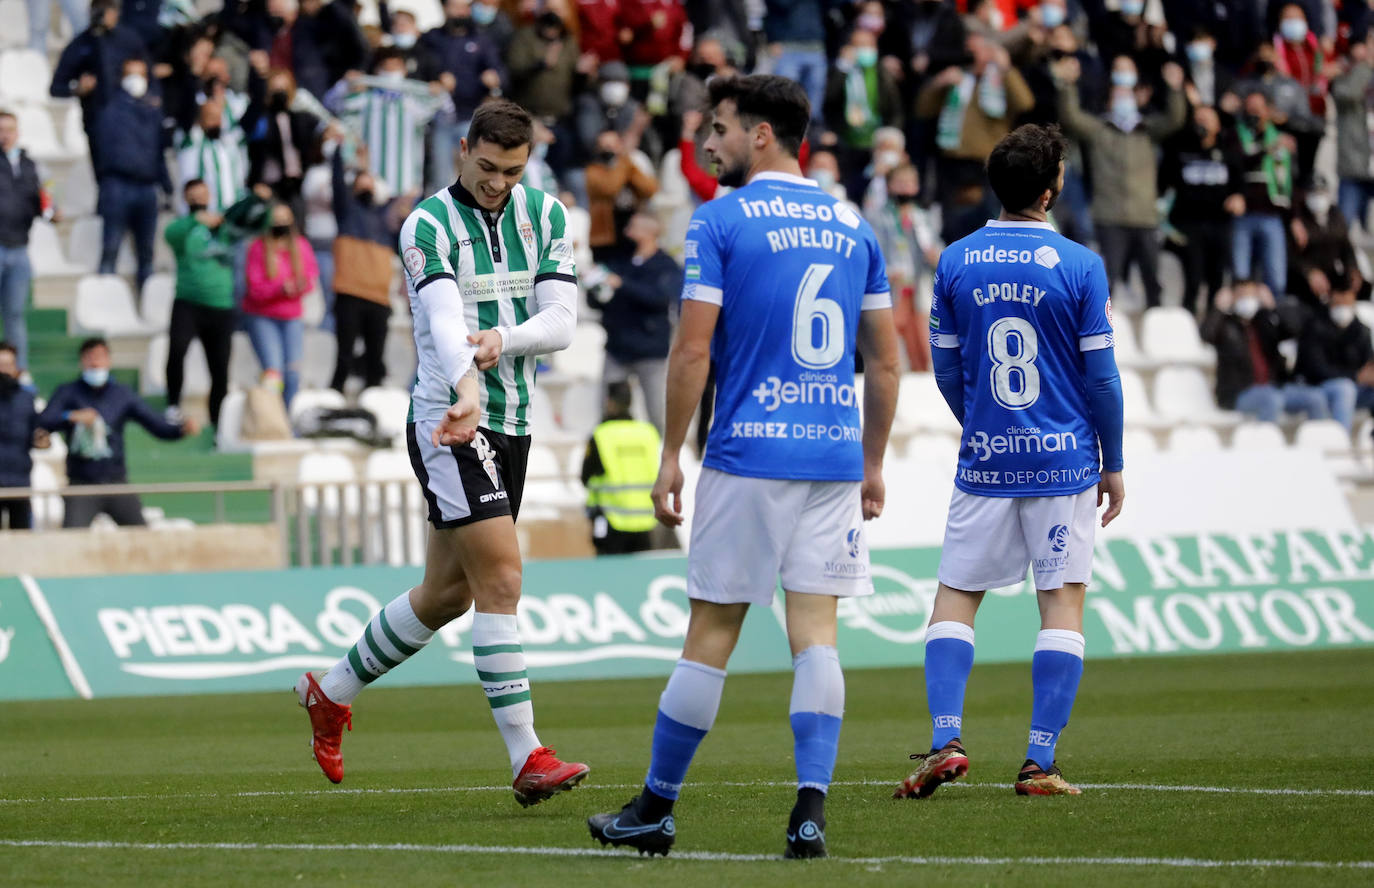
x: 747, y: 532
x: 991, y: 540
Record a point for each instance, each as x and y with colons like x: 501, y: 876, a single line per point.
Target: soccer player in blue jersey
x: 782, y: 283
x: 1021, y: 326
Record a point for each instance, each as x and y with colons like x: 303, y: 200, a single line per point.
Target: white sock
x: 692, y: 696
x: 393, y: 636
x: 500, y: 663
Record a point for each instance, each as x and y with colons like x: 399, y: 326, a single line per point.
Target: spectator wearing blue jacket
x: 91, y: 66
x: 468, y: 64
x: 18, y: 432
x: 91, y: 413
x: 130, y: 169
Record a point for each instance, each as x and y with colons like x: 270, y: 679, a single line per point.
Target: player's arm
x: 877, y: 343
x: 945, y: 356
x: 689, y: 362
x: 550, y: 328
x: 1103, y: 384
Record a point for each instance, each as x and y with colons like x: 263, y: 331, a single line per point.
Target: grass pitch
x: 221, y: 790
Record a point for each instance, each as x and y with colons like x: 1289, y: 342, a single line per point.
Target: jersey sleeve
x: 425, y: 250
x: 877, y: 291
x: 1095, y: 309
x: 556, y: 260
x: 701, y: 254
x: 943, y: 332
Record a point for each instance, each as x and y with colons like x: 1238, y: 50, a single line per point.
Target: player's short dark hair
x: 764, y: 98
x: 1025, y: 164
x: 93, y: 343
x: 191, y: 183
x: 501, y: 122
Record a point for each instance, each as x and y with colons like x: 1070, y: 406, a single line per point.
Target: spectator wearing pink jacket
x: 281, y: 269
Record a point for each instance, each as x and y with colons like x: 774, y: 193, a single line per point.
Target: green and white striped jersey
x: 496, y: 260
x: 222, y: 163
x: 391, y: 122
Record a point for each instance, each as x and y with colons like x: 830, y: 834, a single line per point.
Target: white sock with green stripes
x: 394, y: 636
x: 500, y: 662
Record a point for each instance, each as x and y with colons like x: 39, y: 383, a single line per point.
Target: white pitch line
x: 418, y: 790
x: 716, y: 856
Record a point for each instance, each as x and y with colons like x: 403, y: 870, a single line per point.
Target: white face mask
x: 403, y: 41
x: 96, y: 377
x: 1342, y: 315
x: 1124, y: 78
x: 1294, y: 30
x: 887, y: 159
x: 824, y: 178
x: 615, y: 93
x: 135, y: 85
x: 1319, y: 204
x: 1051, y: 16
x: 1132, y: 7
x: 1247, y: 307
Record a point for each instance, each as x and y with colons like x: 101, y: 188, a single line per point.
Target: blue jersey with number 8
x: 1022, y: 303
x: 791, y: 269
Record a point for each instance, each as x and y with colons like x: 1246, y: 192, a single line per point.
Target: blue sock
x: 686, y: 711
x: 1056, y: 668
x: 817, y: 710
x: 949, y: 659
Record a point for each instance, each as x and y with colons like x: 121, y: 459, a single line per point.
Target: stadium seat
x: 921, y: 407
x: 1182, y: 395
x: 323, y: 473
x: 1194, y: 439
x: 243, y: 362
x: 1128, y: 353
x: 74, y: 135
x: 24, y: 77
x: 37, y: 133
x: 390, y: 406
x: 1169, y: 334
x: 1137, y: 442
x: 84, y: 246
x: 309, y: 399
x: 195, y: 375
x: 545, y: 484
x: 15, y: 15
x: 581, y: 412
x: 317, y: 361
x: 1258, y: 436
x: 227, y: 433
x: 155, y: 305
x: 586, y: 356
x: 1137, y: 402
x: 45, y: 252
x: 392, y: 495
x: 1324, y: 435
x: 48, y: 509
x: 77, y: 194
x: 105, y: 305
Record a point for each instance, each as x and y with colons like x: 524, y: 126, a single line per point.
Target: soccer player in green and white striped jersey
x: 492, y: 285
x: 389, y: 113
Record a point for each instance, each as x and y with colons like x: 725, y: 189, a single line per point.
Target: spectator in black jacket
x: 130, y: 170
x: 1334, y: 352
x: 1320, y: 254
x: 1201, y: 174
x: 91, y: 413
x: 93, y: 63
x: 1246, y: 329
x: 21, y: 202
x: 468, y: 64
x: 282, y: 143
x: 18, y: 432
x: 637, y: 316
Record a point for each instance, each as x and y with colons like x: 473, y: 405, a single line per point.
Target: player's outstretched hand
x: 459, y: 424
x: 668, y: 493
x: 1114, y: 489
x: 873, y: 493
x: 488, y: 344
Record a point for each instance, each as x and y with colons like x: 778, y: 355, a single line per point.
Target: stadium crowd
x: 290, y: 138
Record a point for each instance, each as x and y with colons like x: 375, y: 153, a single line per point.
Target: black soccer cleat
x: 625, y: 828
x: 805, y: 840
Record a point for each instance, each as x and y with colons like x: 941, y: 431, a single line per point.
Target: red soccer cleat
x: 543, y: 775
x: 328, y: 720
x: 939, y: 766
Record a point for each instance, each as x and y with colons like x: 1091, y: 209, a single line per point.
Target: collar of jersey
x: 783, y: 177
x: 464, y: 197
x: 1017, y: 223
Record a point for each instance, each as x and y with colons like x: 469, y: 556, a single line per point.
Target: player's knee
x: 499, y: 585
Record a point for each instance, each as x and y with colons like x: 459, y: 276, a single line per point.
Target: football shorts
x: 991, y: 540
x: 463, y: 483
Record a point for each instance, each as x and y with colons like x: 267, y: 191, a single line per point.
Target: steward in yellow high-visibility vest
x: 619, y: 470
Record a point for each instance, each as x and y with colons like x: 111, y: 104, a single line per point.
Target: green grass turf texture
x: 1293, y: 720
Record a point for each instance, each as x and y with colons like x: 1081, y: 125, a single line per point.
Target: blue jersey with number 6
x: 1022, y: 303
x: 791, y: 269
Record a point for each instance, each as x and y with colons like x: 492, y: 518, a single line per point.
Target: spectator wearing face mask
x: 368, y: 227
x: 543, y: 67
x: 1299, y: 55
x: 860, y: 97
x: 1252, y: 377
x: 1121, y: 150
x: 492, y: 22
x: 1199, y: 173
x: 130, y: 169
x: 1333, y: 351
x: 616, y: 189
x: 91, y: 413
x: 281, y: 271
x: 92, y: 66
x: 283, y: 142
x: 467, y: 62
x: 910, y: 248
x: 610, y: 106
x: 1209, y: 80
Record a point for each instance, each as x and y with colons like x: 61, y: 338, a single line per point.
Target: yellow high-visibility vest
x: 629, y: 452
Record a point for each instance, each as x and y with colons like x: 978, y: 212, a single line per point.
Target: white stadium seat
x: 1324, y: 435
x: 195, y: 374
x: 321, y: 471
x: 77, y: 194
x: 37, y: 133
x: 24, y: 77
x: 83, y: 243
x: 585, y: 357
x: 1128, y: 353
x: 390, y: 406
x: 105, y: 305
x: 393, y: 495
x: 1194, y: 439
x: 48, y: 509
x: 1169, y: 335
x: 1136, y: 402
x: 15, y: 15
x: 1258, y: 436
x: 309, y: 399
x: 156, y: 302
x: 1137, y: 442
x: 45, y: 252
x: 74, y: 132
x: 1182, y: 395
